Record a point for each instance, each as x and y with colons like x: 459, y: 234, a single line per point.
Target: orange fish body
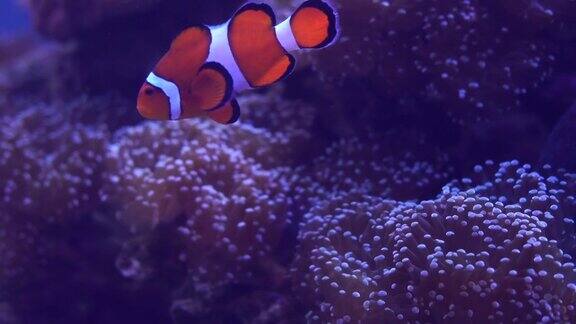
x: 206, y: 66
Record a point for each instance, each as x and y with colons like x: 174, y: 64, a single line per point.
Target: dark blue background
x: 13, y: 17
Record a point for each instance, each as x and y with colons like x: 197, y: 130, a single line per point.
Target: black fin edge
x: 332, y: 20
x: 258, y: 7
x: 205, y: 28
x: 229, y: 81
x: 289, y: 69
x: 236, y: 111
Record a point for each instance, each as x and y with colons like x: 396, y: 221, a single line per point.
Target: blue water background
x: 13, y: 18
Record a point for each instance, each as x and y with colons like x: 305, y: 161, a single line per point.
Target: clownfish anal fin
x: 212, y: 87
x: 227, y: 114
x: 255, y: 46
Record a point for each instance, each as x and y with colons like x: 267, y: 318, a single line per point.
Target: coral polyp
x: 465, y: 256
x: 39, y: 174
x: 464, y: 55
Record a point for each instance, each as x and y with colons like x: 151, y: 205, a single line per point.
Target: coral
x: 66, y: 18
x: 49, y: 167
x: 546, y: 14
x: 20, y: 251
x: 560, y: 150
x: 69, y: 19
x: 289, y: 124
x: 99, y: 30
x: 269, y: 110
x: 384, y: 165
x: 218, y: 185
x: 511, y: 136
x: 7, y: 314
x: 28, y: 65
x: 260, y: 306
x: 547, y: 192
x: 463, y: 55
x: 486, y: 251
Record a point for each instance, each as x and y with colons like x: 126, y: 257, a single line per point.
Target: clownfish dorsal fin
x: 314, y: 24
x: 227, y: 114
x: 255, y: 47
x: 212, y: 87
x: 191, y: 37
x: 187, y: 53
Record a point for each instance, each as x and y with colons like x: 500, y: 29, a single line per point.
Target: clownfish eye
x: 149, y: 91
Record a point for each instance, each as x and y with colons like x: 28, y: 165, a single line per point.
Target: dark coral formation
x: 64, y: 19
x: 117, y: 42
x: 50, y: 170
x: 525, y: 136
x: 206, y: 180
x: 29, y: 65
x: 70, y: 19
x: 219, y: 197
x: 19, y: 250
x: 383, y: 165
x: 49, y: 165
x: 561, y: 149
x: 547, y: 14
x: 547, y: 193
x: 469, y: 56
x: 484, y: 252
x: 230, y: 196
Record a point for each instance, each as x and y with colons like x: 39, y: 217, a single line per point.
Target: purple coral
x: 49, y: 166
x: 384, y: 165
x: 20, y: 251
x: 560, y: 149
x: 544, y: 193
x: 207, y: 181
x: 50, y: 169
x: 468, y: 255
x: 464, y: 55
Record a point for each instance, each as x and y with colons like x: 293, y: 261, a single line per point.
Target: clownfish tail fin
x: 315, y: 24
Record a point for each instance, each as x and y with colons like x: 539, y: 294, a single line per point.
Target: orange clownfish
x: 206, y: 66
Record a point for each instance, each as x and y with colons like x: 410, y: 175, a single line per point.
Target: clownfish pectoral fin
x: 314, y: 24
x: 212, y: 87
x: 254, y: 44
x: 227, y: 114
x: 188, y: 51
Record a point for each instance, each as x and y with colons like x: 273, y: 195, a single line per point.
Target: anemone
x: 230, y: 210
x: 475, y: 253
x: 49, y: 165
x: 384, y: 165
x: 469, y: 57
x: 20, y: 250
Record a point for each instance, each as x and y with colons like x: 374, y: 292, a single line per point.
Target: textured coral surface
x: 228, y: 208
x: 470, y: 56
x: 487, y: 251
